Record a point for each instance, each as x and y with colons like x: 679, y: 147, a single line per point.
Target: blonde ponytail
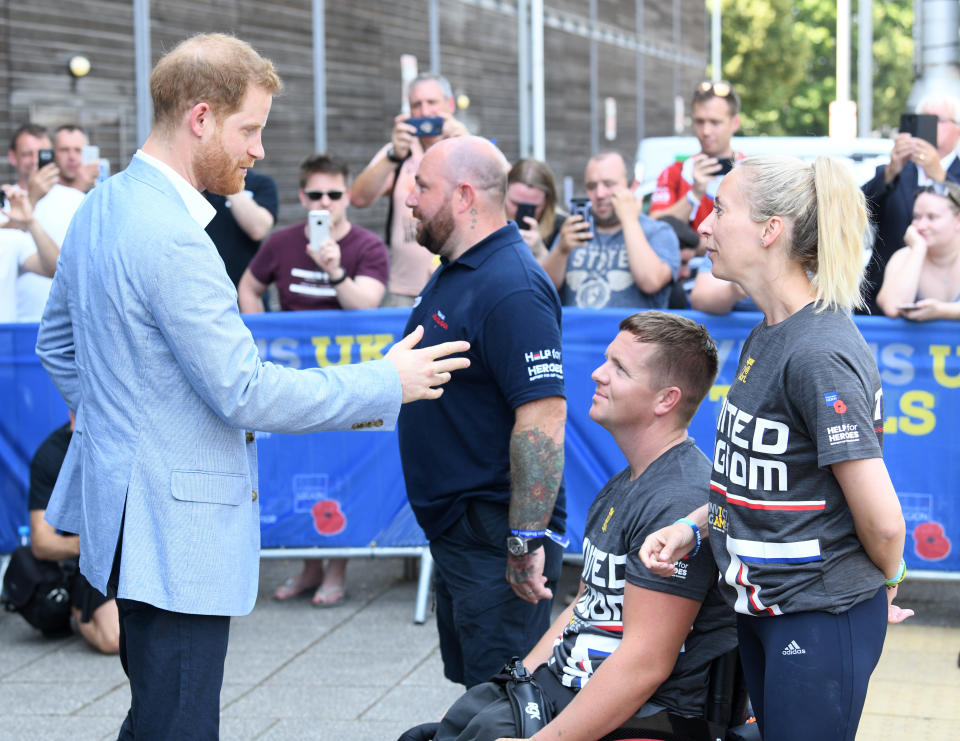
x: 827, y: 220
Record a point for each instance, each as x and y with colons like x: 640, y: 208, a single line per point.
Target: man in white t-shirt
x: 20, y: 239
x: 54, y: 211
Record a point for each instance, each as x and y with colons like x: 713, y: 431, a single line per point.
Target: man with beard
x: 143, y: 339
x: 617, y: 257
x: 483, y: 467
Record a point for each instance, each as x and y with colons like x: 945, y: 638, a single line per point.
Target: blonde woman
x: 922, y: 280
x: 802, y: 517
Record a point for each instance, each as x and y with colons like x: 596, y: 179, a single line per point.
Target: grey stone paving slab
x: 244, y: 728
x: 51, y: 698
x: 413, y: 704
x: 72, y: 661
x: 294, y: 701
x: 304, y: 729
x: 23, y: 728
x: 252, y: 665
x: 427, y: 673
x: 350, y: 668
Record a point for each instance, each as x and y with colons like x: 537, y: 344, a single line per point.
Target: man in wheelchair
x: 631, y: 643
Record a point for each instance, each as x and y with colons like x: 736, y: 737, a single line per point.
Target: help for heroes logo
x: 543, y: 364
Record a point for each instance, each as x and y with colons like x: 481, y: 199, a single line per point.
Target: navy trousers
x: 174, y: 662
x: 482, y: 623
x: 807, y: 672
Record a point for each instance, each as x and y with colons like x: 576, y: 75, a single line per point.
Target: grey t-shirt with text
x: 619, y: 520
x: 807, y: 395
x: 598, y: 274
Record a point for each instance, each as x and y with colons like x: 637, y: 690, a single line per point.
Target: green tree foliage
x: 781, y: 57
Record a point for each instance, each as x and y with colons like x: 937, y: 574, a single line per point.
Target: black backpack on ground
x: 38, y: 590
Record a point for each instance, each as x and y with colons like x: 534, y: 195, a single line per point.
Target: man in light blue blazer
x: 142, y: 337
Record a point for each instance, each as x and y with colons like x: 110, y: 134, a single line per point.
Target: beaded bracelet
x: 696, y: 532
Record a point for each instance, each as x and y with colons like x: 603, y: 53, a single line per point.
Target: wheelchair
x: 726, y: 716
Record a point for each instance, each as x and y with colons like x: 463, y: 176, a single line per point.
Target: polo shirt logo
x: 439, y: 318
x: 539, y: 365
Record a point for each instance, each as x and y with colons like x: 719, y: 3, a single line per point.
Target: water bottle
x: 24, y: 533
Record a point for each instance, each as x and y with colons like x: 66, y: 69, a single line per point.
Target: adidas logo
x: 792, y: 649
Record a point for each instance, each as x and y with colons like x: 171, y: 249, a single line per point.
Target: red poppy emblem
x: 327, y: 517
x: 839, y: 407
x: 929, y: 541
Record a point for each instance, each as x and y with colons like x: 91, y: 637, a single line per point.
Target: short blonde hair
x: 827, y: 228
x: 214, y: 68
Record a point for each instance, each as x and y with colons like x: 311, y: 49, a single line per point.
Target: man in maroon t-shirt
x: 348, y: 271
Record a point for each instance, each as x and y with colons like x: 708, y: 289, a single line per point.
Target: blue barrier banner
x: 345, y: 489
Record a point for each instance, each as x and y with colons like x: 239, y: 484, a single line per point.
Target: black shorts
x: 84, y: 597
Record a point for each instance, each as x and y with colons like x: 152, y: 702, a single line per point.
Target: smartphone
x: 427, y: 126
x: 44, y: 157
x: 91, y: 154
x: 921, y: 125
x: 906, y: 307
x: 524, y: 210
x: 726, y: 165
x: 319, y: 228
x: 581, y: 207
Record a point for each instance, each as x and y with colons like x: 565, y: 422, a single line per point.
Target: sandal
x: 329, y: 596
x: 292, y: 588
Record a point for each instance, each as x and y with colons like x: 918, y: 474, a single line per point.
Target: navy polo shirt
x: 456, y: 448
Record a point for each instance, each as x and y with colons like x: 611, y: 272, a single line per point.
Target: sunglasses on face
x: 316, y: 195
x: 721, y: 89
x: 944, y: 190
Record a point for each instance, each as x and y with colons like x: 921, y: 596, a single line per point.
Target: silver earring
x: 763, y: 243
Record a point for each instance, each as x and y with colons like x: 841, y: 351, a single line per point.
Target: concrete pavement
x: 365, y: 671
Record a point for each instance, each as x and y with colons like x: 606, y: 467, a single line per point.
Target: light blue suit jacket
x: 142, y: 337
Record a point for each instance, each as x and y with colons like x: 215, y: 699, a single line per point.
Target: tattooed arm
x: 536, y: 466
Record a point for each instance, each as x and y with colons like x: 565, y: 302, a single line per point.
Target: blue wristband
x: 901, y: 574
x: 696, y: 532
x: 562, y: 540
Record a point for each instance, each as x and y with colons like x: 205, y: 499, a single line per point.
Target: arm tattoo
x: 536, y: 466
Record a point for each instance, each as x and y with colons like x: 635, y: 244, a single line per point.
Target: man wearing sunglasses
x: 348, y: 271
x: 686, y: 188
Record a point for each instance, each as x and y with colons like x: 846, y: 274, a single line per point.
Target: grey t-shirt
x: 598, y: 274
x: 807, y: 395
x: 621, y: 516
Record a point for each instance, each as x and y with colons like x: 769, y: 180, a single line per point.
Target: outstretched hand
x: 665, y: 547
x: 423, y: 369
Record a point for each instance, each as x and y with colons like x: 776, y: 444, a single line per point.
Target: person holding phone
x: 25, y: 248
x: 914, y: 163
x: 922, y: 279
x: 610, y: 253
x: 391, y: 173
x: 802, y: 517
x: 348, y: 269
x: 532, y: 203
x: 24, y: 156
x: 55, y: 209
x: 685, y: 189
